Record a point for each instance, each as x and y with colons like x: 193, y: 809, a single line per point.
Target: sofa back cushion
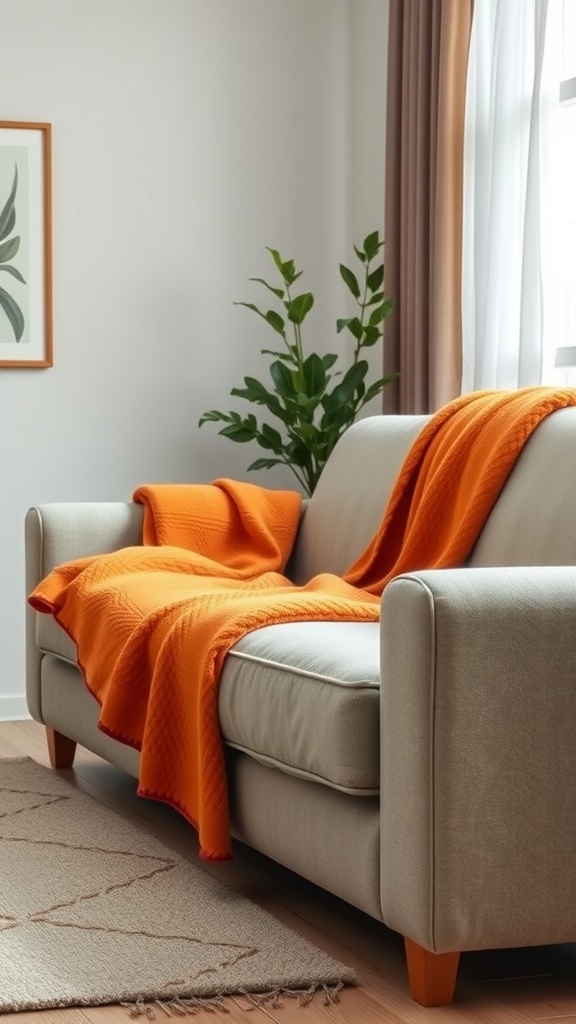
x: 350, y: 499
x: 532, y: 523
x: 534, y: 520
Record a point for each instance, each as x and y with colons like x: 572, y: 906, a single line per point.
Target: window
x: 561, y: 369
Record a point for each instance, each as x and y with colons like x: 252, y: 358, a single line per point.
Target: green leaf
x: 355, y: 373
x: 314, y: 375
x: 270, y: 438
x: 279, y: 292
x: 298, y: 453
x: 250, y: 305
x: 276, y: 257
x: 13, y: 312
x: 265, y: 463
x: 353, y: 324
x: 213, y: 416
x: 275, y: 320
x: 9, y: 249
x: 8, y: 215
x: 350, y: 280
x: 376, y: 316
x: 379, y: 386
x: 287, y: 268
x: 290, y: 274
x: 253, y: 392
x: 372, y: 244
x: 336, y: 418
x: 375, y: 279
x: 264, y: 397
x: 277, y: 355
x: 305, y: 405
x: 374, y: 299
x: 309, y: 433
x: 361, y: 256
x: 15, y: 273
x: 343, y: 393
x: 299, y: 307
x: 240, y: 432
x: 371, y: 336
x: 283, y: 381
x: 329, y: 359
x: 286, y: 415
x: 380, y: 313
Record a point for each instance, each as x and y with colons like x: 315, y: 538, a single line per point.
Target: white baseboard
x: 13, y: 709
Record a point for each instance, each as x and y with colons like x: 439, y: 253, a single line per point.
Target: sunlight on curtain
x: 512, y: 93
x: 560, y: 284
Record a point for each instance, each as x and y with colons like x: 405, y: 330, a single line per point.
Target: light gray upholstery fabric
x: 71, y: 708
x: 60, y: 532
x: 305, y: 696
x: 349, y: 501
x: 531, y: 523
x: 478, y: 757
x: 328, y: 837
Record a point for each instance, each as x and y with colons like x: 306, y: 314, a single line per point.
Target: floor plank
x: 540, y: 998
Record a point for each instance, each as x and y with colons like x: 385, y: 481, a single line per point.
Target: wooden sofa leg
x: 431, y: 976
x: 61, y: 749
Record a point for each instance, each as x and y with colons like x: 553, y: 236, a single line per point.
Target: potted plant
x: 312, y: 402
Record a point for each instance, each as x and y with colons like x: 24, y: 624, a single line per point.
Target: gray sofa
x: 422, y: 769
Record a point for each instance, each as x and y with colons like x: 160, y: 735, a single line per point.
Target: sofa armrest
x: 57, y: 533
x: 478, y: 783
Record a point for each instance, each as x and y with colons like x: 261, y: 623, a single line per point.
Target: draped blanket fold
x: 153, y: 624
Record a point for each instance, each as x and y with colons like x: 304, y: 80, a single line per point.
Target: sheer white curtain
x: 512, y: 94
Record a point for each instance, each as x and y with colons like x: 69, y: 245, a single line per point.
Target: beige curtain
x: 427, y: 60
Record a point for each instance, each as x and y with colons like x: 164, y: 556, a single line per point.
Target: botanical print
x: 13, y: 244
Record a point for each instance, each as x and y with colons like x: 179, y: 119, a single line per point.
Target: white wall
x: 367, y: 46
x: 187, y: 136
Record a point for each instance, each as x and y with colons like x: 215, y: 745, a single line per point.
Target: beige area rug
x: 94, y: 910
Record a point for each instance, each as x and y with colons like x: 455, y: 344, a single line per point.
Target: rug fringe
x: 330, y: 996
x: 190, y: 1006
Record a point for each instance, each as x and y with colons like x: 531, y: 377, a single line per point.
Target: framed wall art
x: 25, y: 244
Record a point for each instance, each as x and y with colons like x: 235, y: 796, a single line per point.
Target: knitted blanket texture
x: 153, y: 624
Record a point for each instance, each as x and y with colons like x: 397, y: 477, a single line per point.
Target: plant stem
x: 302, y: 481
x: 299, y: 344
x: 297, y: 335
x: 362, y: 305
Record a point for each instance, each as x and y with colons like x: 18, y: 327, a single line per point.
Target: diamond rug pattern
x: 94, y: 910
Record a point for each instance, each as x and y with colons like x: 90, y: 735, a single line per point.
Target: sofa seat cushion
x: 304, y: 697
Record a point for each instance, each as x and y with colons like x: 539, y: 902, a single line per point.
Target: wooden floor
x: 501, y: 987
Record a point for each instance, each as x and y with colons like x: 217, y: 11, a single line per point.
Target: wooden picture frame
x: 25, y: 244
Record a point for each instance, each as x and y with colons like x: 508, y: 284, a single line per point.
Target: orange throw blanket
x: 153, y: 624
